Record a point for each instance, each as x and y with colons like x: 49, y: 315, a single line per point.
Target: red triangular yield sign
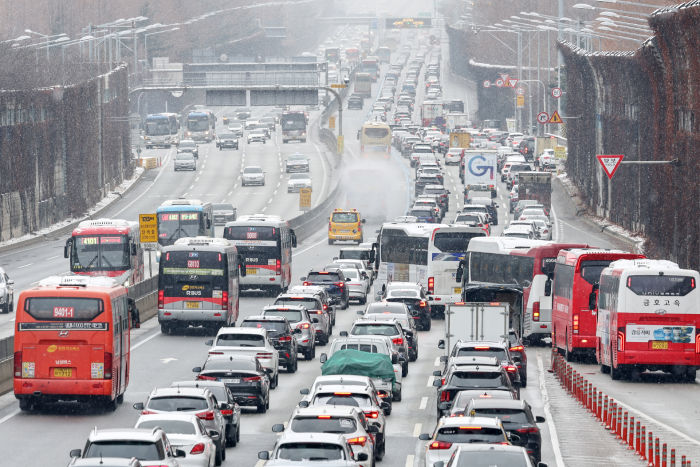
x: 610, y: 163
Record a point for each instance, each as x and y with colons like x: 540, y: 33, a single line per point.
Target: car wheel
x: 275, y: 381
x: 404, y: 370
x: 223, y: 450
x: 523, y: 381
x: 262, y: 408
x: 330, y: 242
x: 362, y: 300
x: 110, y: 404
x: 231, y: 438
x: 219, y: 457
x: 166, y: 328
x: 292, y: 367
x: 397, y: 396
x: 26, y: 404
x: 427, y: 324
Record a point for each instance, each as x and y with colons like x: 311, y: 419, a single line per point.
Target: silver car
x: 253, y: 175
x: 303, y: 325
x: 298, y: 181
x: 297, y: 162
x: 358, y: 284
x: 185, y: 161
x: 7, y: 292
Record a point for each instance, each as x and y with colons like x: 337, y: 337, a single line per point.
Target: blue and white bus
x: 178, y: 218
x: 161, y: 130
x: 200, y: 126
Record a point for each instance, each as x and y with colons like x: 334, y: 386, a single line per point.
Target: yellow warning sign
x: 560, y: 152
x: 520, y: 101
x: 304, y: 198
x: 331, y: 122
x: 148, y: 226
x: 555, y: 118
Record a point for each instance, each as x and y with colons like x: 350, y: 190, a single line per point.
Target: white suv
x: 150, y: 446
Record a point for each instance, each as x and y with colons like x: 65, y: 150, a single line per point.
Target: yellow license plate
x: 457, y: 290
x: 191, y: 304
x: 659, y: 345
x: 62, y: 372
x: 249, y: 271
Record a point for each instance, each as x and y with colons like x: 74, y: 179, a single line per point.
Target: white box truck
x: 476, y: 321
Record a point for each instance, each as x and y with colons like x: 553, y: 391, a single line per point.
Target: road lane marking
x: 409, y: 460
x: 24, y: 266
x: 423, y: 403
x: 548, y: 415
x: 437, y: 361
x: 430, y: 381
x: 417, y: 429
x: 260, y: 463
x: 9, y: 416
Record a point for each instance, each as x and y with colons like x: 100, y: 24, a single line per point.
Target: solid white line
x: 410, y: 459
x: 423, y: 403
x: 555, y: 225
x: 53, y: 257
x: 550, y: 420
x: 136, y: 346
x: 311, y: 247
x: 138, y: 198
x: 9, y: 416
x: 437, y: 361
x: 260, y: 463
x: 24, y: 266
x: 416, y: 429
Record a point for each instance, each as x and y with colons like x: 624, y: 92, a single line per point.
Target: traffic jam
x: 465, y: 289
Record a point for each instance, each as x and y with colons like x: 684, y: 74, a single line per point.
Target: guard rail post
x: 657, y: 452
x: 630, y: 439
x: 664, y: 455
x: 650, y: 447
x: 624, y: 427
x: 643, y: 444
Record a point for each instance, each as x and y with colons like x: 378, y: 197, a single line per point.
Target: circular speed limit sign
x: 500, y: 82
x: 556, y: 93
x: 543, y: 117
x: 487, y: 83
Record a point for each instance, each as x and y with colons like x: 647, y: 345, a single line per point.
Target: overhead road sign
x: 338, y: 85
x: 555, y: 118
x: 542, y: 117
x: 556, y: 93
x: 610, y: 163
x: 409, y: 23
x: 500, y: 82
x: 512, y: 82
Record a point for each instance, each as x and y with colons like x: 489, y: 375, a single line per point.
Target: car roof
x: 144, y: 434
x: 388, y: 306
x: 178, y: 391
x: 461, y: 421
x: 498, y: 403
x: 292, y: 437
x: 461, y: 344
x: 351, y: 388
x: 272, y: 308
x: 377, y: 321
x: 324, y: 379
x: 238, y: 330
x: 473, y: 360
x: 198, y: 383
x: 265, y: 318
x: 185, y: 417
x: 333, y: 410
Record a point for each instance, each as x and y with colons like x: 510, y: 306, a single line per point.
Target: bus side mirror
x: 134, y: 249
x: 66, y: 249
x: 208, y: 223
x: 460, y: 272
x: 294, y: 239
x: 241, y: 267
x: 592, y: 301
x: 548, y: 288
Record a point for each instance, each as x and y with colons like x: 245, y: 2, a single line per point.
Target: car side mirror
x: 66, y: 249
x: 343, y: 334
x: 322, y: 358
x: 460, y: 272
x: 304, y: 391
x: 444, y: 406
x: 441, y: 344
x: 539, y: 419
x: 197, y: 369
x: 363, y: 221
x: 437, y: 373
x: 209, y: 343
x: 264, y: 455
x: 360, y: 312
x: 437, y: 383
x: 394, y: 359
x: 277, y: 428
x: 302, y: 278
x: 361, y: 457
x: 384, y: 405
x: 224, y: 406
x: 443, y: 358
x: 213, y: 434
x: 303, y: 404
x: 592, y: 301
x: 138, y: 406
x: 297, y: 331
x: 513, y: 438
x: 75, y: 453
x: 424, y: 436
x: 10, y: 282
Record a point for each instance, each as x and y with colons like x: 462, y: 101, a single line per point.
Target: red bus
x: 106, y: 247
x: 72, y: 340
x: 537, y: 297
x: 575, y: 274
x: 648, y: 313
x: 352, y: 54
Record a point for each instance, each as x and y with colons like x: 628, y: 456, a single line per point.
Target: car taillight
x: 329, y: 226
x: 161, y: 299
x: 285, y: 338
x: 148, y: 412
x: 339, y: 284
x: 440, y: 445
x: 517, y: 348
x: 511, y: 368
x: 697, y: 344
x: 263, y: 355
x: 621, y: 340
x: 445, y: 395
x: 431, y: 284
x: 372, y: 414
x: 528, y: 430
x: 252, y: 378
x: 536, y: 311
x: 108, y: 365
x: 303, y: 326
x: 358, y: 441
x: 18, y: 364
x: 278, y: 267
x: 224, y: 300
x: 208, y: 415
x: 575, y: 324
x: 307, y: 283
x: 197, y: 448
x: 423, y: 304
x: 227, y: 412
x: 325, y: 307
x: 397, y: 341
x: 206, y: 378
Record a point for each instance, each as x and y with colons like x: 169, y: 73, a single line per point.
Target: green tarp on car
x: 354, y: 362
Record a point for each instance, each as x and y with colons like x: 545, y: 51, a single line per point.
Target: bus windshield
x: 157, y: 126
x: 198, y: 123
x: 195, y: 274
x: 174, y: 225
x: 100, y: 252
x: 293, y: 121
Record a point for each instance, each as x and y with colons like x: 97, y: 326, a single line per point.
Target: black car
x: 517, y: 352
x: 243, y: 375
x: 355, y: 102
x: 517, y: 418
x: 222, y: 394
x: 223, y: 213
x: 418, y: 307
x: 424, y: 214
x: 227, y: 140
x: 459, y: 378
x: 443, y: 195
x: 500, y: 350
x: 423, y: 180
x: 334, y: 282
x: 281, y: 336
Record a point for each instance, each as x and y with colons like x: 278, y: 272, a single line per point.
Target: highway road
x: 570, y: 437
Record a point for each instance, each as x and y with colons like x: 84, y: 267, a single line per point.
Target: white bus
x: 446, y: 248
x: 265, y: 244
x: 647, y: 319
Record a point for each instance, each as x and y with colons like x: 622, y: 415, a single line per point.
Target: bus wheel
x: 605, y: 369
x: 120, y: 398
x: 568, y: 355
x: 616, y: 373
x: 111, y: 404
x: 165, y: 328
x: 26, y: 404
x: 691, y: 374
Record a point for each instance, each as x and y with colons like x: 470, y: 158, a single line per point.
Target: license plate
x: 191, y: 305
x: 457, y: 290
x: 232, y: 381
x: 659, y: 345
x: 62, y: 372
x: 251, y: 271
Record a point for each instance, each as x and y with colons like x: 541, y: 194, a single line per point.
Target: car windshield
x: 222, y: 207
x: 293, y: 316
x: 344, y: 217
x: 272, y: 326
x: 184, y: 156
x: 343, y: 398
x: 298, y: 177
x: 297, y: 157
x: 470, y: 434
x: 505, y: 415
x: 318, y: 277
x: 359, y: 346
x: 404, y: 293
x: 170, y: 426
x: 351, y: 273
x: 324, y: 424
x: 240, y: 340
x: 477, y: 379
x: 252, y: 170
x: 125, y: 449
x: 492, y: 458
x: 308, y: 303
x: 227, y: 136
x: 177, y: 403
x: 299, y: 452
x: 374, y: 329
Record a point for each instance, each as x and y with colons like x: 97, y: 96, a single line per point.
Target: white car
x: 252, y: 175
x: 297, y: 181
x: 258, y: 135
x: 545, y: 230
x: 248, y: 341
x: 519, y: 231
x: 297, y: 449
x: 350, y: 422
x: 358, y: 284
x: 185, y: 432
x: 453, y: 156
